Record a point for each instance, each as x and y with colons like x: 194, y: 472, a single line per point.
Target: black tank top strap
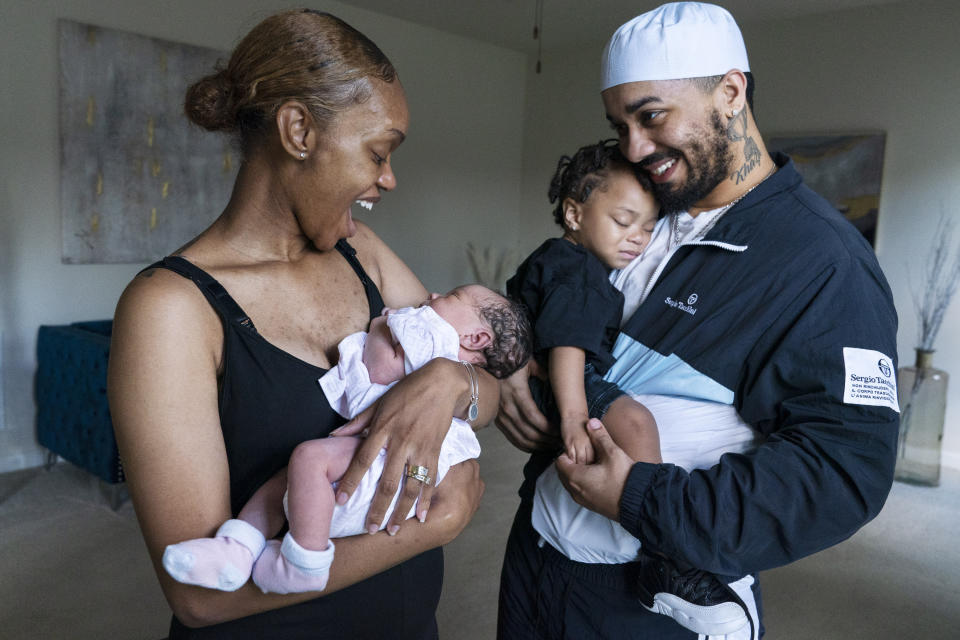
x: 216, y: 295
x: 374, y: 299
x: 228, y: 308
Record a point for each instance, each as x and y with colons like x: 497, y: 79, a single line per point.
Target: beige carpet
x: 72, y: 568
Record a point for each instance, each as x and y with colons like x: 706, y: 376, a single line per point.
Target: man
x: 754, y: 302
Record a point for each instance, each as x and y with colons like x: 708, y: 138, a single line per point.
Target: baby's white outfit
x: 424, y: 335
x: 238, y: 549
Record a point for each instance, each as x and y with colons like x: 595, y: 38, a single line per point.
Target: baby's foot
x: 223, y: 562
x: 289, y: 568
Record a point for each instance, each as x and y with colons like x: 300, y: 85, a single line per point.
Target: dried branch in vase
x: 923, y: 388
x: 941, y: 276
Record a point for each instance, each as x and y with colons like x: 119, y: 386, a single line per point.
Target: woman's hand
x: 519, y: 418
x: 454, y: 503
x: 410, y: 421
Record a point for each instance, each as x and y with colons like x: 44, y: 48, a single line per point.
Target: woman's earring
x: 303, y: 154
x: 733, y: 114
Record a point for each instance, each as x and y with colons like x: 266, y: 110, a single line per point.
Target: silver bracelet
x: 474, y: 410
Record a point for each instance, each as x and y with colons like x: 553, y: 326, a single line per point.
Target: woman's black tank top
x: 270, y: 401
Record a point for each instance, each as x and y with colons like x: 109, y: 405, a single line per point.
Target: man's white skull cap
x: 676, y: 40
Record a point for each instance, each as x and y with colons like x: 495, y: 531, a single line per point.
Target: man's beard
x: 708, y: 159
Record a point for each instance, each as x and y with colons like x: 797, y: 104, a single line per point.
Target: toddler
x: 607, y: 217
x: 608, y: 214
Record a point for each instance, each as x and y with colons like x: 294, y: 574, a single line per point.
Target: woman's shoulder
x: 369, y: 248
x: 398, y: 285
x: 366, y: 238
x: 159, y: 285
x: 158, y: 296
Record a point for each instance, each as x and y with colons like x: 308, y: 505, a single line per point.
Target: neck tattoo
x: 675, y: 239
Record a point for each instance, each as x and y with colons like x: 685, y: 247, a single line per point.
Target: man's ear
x: 731, y: 93
x: 297, y: 129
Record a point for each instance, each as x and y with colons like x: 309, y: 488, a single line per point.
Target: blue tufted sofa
x: 73, y: 419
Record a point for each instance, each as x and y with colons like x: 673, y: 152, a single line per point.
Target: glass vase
x: 922, y: 394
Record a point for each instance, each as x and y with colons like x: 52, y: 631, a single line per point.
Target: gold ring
x: 418, y: 472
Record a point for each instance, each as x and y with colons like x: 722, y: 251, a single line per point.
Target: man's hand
x: 597, y: 486
x: 519, y: 418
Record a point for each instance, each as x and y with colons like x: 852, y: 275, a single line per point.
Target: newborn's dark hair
x: 512, y: 336
x: 578, y: 175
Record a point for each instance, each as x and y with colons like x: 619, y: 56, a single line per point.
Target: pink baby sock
x: 223, y: 562
x: 289, y: 568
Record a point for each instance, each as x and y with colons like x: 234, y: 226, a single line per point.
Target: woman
x: 217, y: 350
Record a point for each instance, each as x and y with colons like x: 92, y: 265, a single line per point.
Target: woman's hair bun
x: 299, y: 55
x: 208, y: 103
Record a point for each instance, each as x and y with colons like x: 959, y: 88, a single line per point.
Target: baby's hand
x: 576, y: 442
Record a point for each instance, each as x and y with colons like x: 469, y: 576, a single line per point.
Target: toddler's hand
x: 576, y: 442
x: 598, y: 486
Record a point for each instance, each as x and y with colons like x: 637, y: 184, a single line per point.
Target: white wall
x: 459, y: 171
x: 474, y: 143
x: 893, y: 68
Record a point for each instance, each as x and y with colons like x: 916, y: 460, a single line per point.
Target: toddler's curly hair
x: 577, y: 176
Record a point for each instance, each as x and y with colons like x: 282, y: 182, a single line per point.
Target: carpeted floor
x: 72, y: 568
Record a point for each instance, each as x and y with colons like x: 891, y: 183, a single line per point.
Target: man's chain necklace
x: 724, y: 209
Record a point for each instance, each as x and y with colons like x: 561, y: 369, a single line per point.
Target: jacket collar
x: 742, y: 222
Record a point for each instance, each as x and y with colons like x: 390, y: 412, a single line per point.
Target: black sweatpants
x: 546, y: 596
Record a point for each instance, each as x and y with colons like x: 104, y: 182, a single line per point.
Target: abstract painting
x: 137, y: 180
x: 844, y: 169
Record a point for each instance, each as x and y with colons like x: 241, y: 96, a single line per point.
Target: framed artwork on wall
x: 846, y: 169
x: 137, y: 180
